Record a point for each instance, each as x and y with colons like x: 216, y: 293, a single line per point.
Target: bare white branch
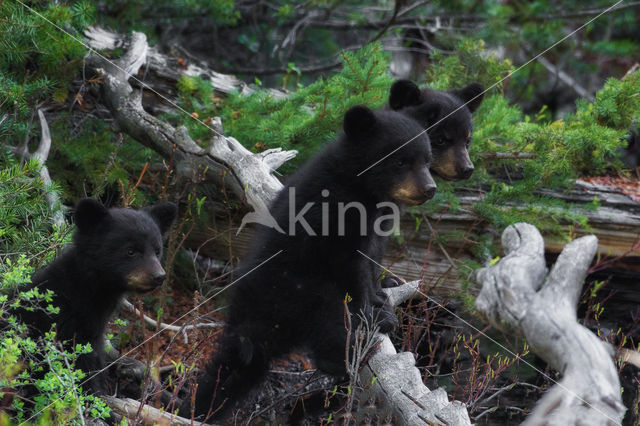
x: 132, y: 410
x: 171, y: 327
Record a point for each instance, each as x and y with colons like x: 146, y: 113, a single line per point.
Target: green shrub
x: 28, y: 240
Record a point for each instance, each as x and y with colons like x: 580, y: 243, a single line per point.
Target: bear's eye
x: 400, y: 163
x: 468, y: 142
x: 441, y: 141
x: 131, y: 252
x: 158, y: 252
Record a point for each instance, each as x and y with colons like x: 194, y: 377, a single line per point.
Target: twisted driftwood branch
x: 399, y: 383
x: 146, y: 414
x: 518, y: 297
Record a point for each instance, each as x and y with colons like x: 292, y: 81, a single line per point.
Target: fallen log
x: 137, y: 413
x: 616, y: 224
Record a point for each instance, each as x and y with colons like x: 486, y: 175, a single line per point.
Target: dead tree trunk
x: 518, y: 297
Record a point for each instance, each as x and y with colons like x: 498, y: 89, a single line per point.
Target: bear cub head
x: 123, y: 247
x: 447, y: 116
x: 393, y: 153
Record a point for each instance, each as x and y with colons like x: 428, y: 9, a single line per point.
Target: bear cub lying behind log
x: 114, y: 251
x: 292, y: 285
x: 446, y: 114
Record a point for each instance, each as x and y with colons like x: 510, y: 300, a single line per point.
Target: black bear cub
x: 113, y: 251
x: 447, y: 119
x: 332, y: 214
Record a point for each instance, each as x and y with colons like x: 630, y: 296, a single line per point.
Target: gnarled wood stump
x: 518, y: 297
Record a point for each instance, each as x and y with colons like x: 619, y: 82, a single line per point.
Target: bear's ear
x: 359, y: 121
x: 163, y: 214
x: 471, y: 95
x: 404, y: 93
x: 89, y: 213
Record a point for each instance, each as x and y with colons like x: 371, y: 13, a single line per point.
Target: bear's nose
x: 158, y: 280
x: 466, y: 172
x: 429, y: 191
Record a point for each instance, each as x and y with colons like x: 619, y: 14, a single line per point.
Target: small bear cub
x: 293, y: 285
x: 114, y: 251
x: 446, y: 114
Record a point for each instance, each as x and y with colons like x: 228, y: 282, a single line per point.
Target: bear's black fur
x: 114, y: 251
x: 447, y: 120
x: 291, y: 287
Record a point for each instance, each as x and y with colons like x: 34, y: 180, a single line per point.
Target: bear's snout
x: 158, y: 280
x: 429, y: 192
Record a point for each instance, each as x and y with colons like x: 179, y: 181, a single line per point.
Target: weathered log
x: 251, y: 176
x: 144, y: 414
x: 162, y: 72
x: 399, y: 383
x: 518, y: 297
x: 615, y: 223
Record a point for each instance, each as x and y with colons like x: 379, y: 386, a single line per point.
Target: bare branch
x: 225, y: 161
x: 42, y: 154
x: 510, y: 155
x: 161, y: 325
x: 565, y: 78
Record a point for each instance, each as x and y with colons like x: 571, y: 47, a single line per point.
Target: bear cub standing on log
x: 291, y: 287
x: 114, y: 251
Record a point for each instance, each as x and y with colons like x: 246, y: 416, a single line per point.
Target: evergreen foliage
x: 37, y: 61
x: 135, y: 15
x: 584, y: 143
x: 95, y: 161
x: 470, y: 63
x: 25, y: 217
x: 304, y: 120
